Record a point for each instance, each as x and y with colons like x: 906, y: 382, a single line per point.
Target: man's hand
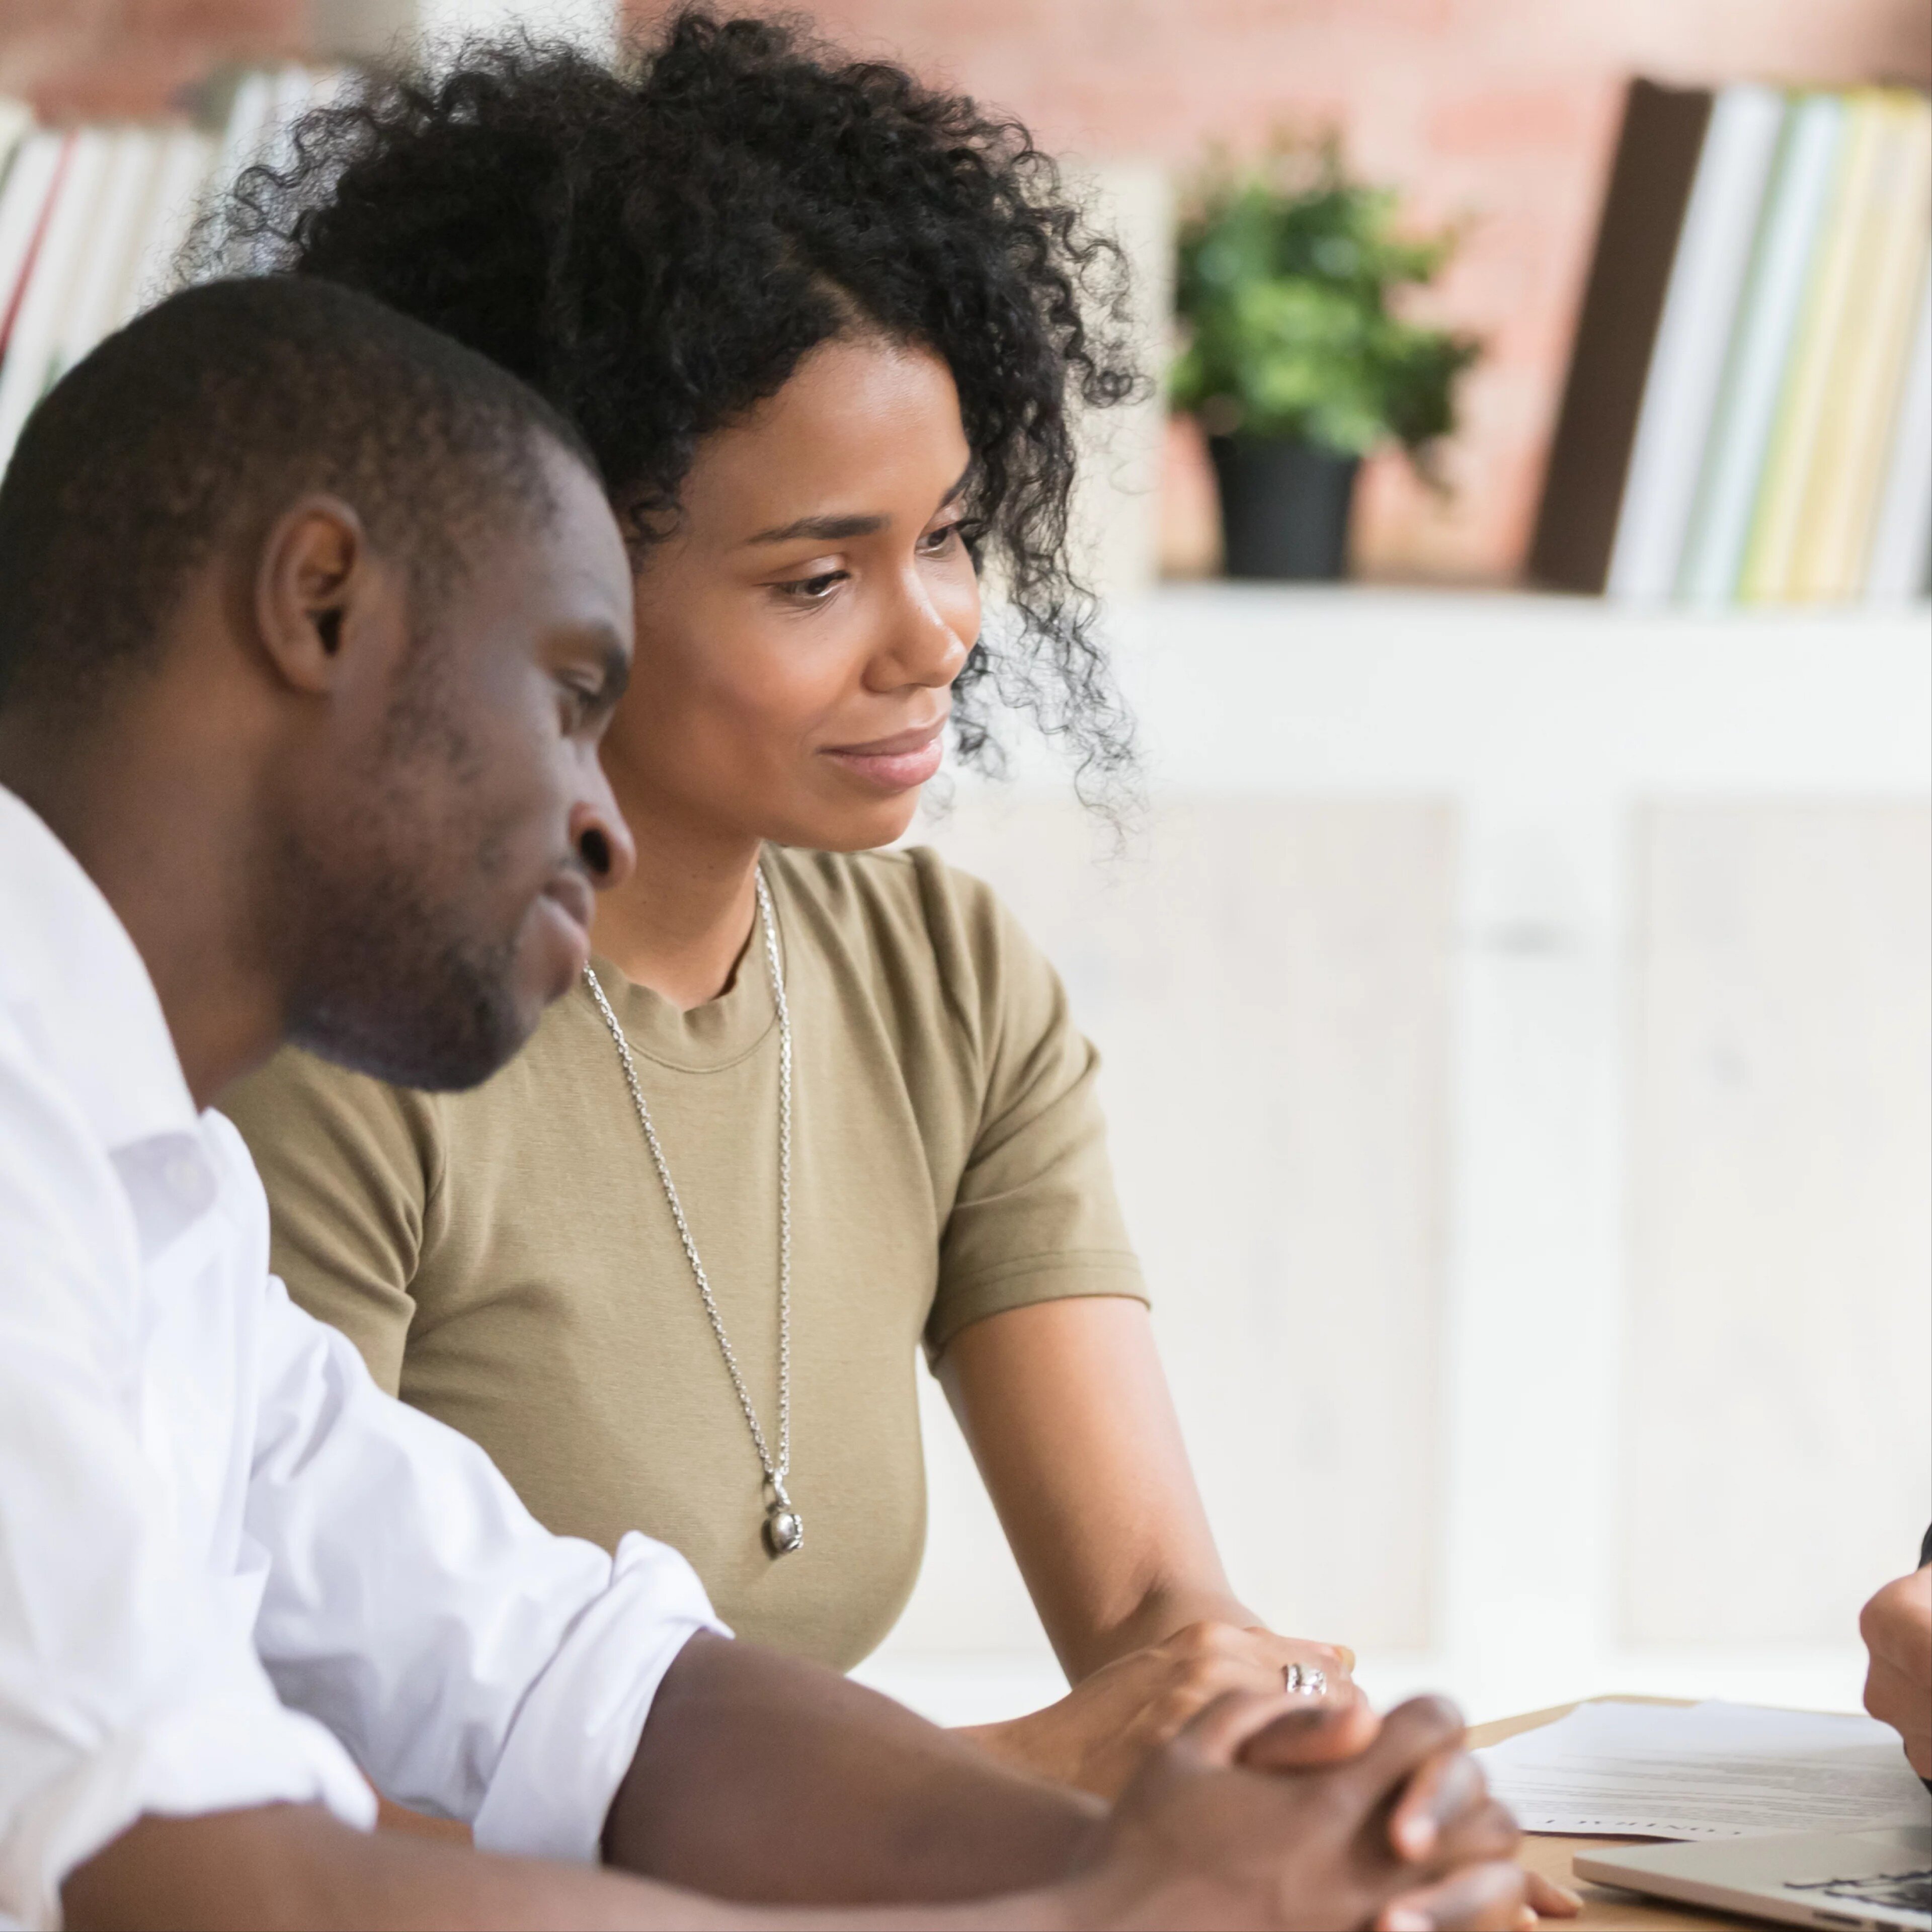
x: 1199, y: 1839
x: 1341, y: 1725
x: 1897, y: 1626
x: 1096, y: 1736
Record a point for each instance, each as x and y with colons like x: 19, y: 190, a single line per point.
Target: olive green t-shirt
x: 505, y: 1259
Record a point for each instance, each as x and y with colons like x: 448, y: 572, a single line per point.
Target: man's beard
x: 396, y: 977
x: 390, y: 1002
x: 390, y: 980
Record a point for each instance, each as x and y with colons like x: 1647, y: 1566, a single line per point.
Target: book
x: 1834, y: 524
x: 34, y: 343
x: 17, y: 117
x: 28, y: 179
x: 1768, y: 312
x: 187, y: 160
x: 1694, y: 336
x: 92, y: 222
x: 1624, y: 300
x: 1643, y: 213
x: 243, y: 129
x: 107, y: 263
x: 1899, y: 566
x: 1770, y: 554
x: 256, y: 130
x: 25, y: 196
x: 267, y: 106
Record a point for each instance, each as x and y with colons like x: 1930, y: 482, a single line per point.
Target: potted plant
x: 1292, y: 358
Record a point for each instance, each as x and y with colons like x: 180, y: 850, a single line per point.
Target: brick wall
x: 115, y: 57
x: 1500, y: 111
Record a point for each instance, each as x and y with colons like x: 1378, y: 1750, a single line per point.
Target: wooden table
x: 1603, y: 1905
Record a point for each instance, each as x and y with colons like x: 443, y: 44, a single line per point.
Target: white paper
x: 1709, y: 1771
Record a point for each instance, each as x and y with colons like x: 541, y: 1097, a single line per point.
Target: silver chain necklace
x: 783, y: 1528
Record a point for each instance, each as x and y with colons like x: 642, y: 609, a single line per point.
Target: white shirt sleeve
x: 475, y: 1664
x: 128, y: 1681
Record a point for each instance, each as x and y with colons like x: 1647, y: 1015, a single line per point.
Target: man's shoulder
x: 235, y: 1172
x: 72, y: 1270
x: 48, y: 1151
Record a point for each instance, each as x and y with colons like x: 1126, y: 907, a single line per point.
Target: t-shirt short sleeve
x: 349, y: 1167
x: 1035, y: 1216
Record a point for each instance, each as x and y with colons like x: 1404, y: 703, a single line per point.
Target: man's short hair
x: 209, y: 414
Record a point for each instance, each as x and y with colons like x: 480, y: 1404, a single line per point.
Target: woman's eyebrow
x: 824, y: 530
x: 839, y: 529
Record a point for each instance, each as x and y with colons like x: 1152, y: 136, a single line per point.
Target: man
x: 310, y: 623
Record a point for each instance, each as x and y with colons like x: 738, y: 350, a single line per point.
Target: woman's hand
x: 1098, y: 1734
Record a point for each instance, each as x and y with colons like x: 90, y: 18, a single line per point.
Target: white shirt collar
x: 80, y: 990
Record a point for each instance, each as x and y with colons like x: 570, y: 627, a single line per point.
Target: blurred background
x: 1517, y: 990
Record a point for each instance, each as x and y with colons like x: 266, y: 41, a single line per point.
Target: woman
x: 815, y: 1104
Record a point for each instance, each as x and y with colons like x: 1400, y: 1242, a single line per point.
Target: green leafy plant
x: 1285, y: 277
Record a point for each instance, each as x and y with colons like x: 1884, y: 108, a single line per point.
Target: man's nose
x: 601, y: 840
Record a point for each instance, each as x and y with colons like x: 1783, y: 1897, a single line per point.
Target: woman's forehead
x: 863, y: 429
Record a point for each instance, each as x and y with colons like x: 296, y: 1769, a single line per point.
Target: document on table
x: 1708, y: 1771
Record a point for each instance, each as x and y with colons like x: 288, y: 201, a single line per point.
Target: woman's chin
x: 883, y: 823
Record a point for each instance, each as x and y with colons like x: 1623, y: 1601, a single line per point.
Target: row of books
x: 91, y: 218
x: 1748, y: 416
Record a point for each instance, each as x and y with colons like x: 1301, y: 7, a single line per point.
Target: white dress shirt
x: 231, y: 1570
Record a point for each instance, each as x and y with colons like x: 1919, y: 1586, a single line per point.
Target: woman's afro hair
x: 654, y: 244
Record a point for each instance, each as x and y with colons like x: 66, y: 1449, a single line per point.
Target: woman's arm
x: 1068, y: 1414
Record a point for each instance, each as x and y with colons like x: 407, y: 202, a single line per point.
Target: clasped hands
x: 1358, y: 1822
x: 1427, y: 1845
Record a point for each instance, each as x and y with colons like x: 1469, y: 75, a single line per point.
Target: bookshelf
x: 1748, y: 416
x: 90, y: 217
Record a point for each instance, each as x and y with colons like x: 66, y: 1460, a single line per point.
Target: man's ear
x: 315, y: 573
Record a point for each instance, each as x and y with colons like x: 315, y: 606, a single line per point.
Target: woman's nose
x: 926, y: 646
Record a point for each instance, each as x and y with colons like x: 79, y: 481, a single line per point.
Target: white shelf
x: 1242, y: 686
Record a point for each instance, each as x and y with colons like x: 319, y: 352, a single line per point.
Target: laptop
x: 1882, y: 1878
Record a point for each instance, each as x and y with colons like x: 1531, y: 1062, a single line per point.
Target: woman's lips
x: 897, y: 764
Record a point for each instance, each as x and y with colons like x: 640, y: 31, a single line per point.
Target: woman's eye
x: 814, y: 589
x: 934, y: 542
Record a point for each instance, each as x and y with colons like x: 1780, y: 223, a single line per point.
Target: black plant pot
x: 1284, y: 506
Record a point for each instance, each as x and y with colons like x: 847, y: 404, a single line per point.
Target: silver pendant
x: 785, y: 1530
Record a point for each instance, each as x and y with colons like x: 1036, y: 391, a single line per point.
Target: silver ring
x: 1304, y: 1680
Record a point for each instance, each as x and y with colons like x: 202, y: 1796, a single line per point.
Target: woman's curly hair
x: 655, y: 244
